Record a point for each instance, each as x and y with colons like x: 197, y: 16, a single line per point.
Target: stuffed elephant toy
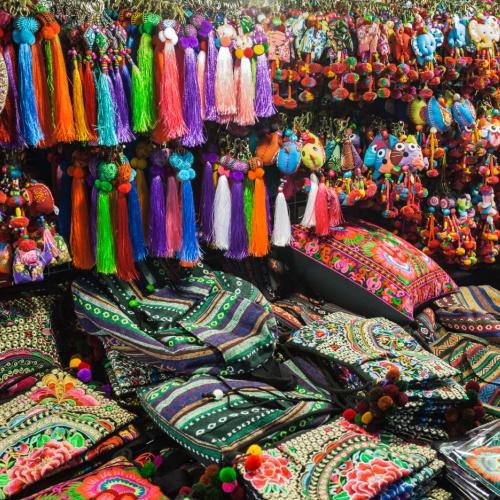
x: 485, y: 34
x: 425, y: 44
x: 457, y: 36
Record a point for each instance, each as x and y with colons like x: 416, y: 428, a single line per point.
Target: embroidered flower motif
x: 119, y: 481
x: 41, y: 461
x: 272, y: 475
x: 368, y: 479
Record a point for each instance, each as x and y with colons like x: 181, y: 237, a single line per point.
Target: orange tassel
x: 80, y: 241
x: 82, y: 133
x: 42, y: 94
x: 259, y: 241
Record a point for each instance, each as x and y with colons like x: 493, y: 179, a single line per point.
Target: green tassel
x: 248, y: 205
x: 105, y: 253
x: 139, y: 118
x: 145, y: 62
x: 50, y: 81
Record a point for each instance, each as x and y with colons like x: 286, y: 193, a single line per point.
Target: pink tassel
x: 225, y: 91
x: 246, y: 91
x: 321, y: 209
x: 174, y: 218
x: 201, y: 63
x: 335, y: 210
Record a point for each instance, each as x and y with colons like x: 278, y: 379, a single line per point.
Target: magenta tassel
x: 238, y: 239
x: 264, y: 106
x: 19, y: 141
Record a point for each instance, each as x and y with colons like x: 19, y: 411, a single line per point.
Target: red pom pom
x: 27, y: 245
x: 391, y: 390
x: 248, y: 52
x: 253, y: 462
x: 402, y: 399
x: 83, y: 364
x: 472, y: 385
x: 362, y: 407
x: 349, y: 414
x: 185, y: 490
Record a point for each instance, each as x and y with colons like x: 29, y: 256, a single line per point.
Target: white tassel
x: 201, y: 63
x: 309, y: 217
x: 282, y: 229
x: 222, y: 214
x: 225, y: 91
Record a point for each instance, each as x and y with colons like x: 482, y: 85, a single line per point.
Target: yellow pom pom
x: 258, y: 49
x: 367, y: 417
x: 238, y: 53
x: 133, y: 162
x: 75, y: 362
x: 254, y: 449
x: 142, y: 164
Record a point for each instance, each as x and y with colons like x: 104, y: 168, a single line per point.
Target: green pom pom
x: 351, y: 61
x: 148, y: 469
x: 150, y: 287
x: 133, y: 303
x: 227, y: 474
x: 357, y: 419
x: 107, y: 171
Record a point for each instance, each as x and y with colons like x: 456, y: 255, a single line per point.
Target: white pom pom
x: 282, y: 229
x: 161, y: 37
x: 171, y: 35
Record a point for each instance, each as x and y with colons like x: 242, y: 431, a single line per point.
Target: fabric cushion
x: 27, y: 341
x: 375, y: 261
x: 115, y: 478
x: 52, y: 426
x: 340, y: 460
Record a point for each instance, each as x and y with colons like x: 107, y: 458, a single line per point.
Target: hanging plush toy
x: 289, y: 155
x: 313, y: 153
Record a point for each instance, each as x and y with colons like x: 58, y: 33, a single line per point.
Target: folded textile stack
x: 421, y: 398
x: 340, y: 460
x: 473, y: 467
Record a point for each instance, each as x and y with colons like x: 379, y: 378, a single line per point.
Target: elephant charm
x: 457, y: 36
x: 485, y: 33
x: 424, y: 46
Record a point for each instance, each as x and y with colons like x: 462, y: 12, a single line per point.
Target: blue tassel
x: 190, y: 250
x: 64, y: 216
x: 135, y: 224
x: 105, y: 112
x: 30, y: 126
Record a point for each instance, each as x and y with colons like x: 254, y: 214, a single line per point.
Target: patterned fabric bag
x: 27, y: 341
x: 55, y: 425
x: 339, y: 460
x: 117, y: 478
x: 213, y: 418
x: 208, y: 322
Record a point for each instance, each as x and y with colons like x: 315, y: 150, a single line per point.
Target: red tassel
x: 125, y: 267
x: 321, y: 209
x: 335, y: 209
x: 89, y: 97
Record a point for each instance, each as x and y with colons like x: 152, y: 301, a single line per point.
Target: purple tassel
x: 191, y: 105
x: 264, y: 106
x: 127, y: 83
x: 207, y: 202
x: 123, y: 132
x: 19, y: 141
x: 157, y: 232
x: 210, y: 108
x: 238, y: 239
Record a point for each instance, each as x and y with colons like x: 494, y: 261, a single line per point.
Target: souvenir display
x: 249, y: 249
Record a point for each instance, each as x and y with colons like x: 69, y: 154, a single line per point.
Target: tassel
x: 225, y: 90
x: 259, y: 241
x: 64, y: 203
x: 309, y: 218
x: 246, y: 110
x: 264, y: 106
x: 157, y: 237
x: 335, y: 209
x: 142, y: 190
x: 190, y: 250
x: 89, y: 96
x: 210, y: 102
x: 138, y: 92
x: 248, y: 204
x: 170, y: 120
x: 127, y: 84
x: 123, y: 132
x: 64, y: 128
x: 80, y: 241
x: 207, y: 202
x: 191, y: 105
x: 222, y: 212
x: 50, y: 250
x: 24, y: 34
x: 106, y: 133
x: 238, y: 242
x: 201, y: 65
x: 81, y: 131
x: 282, y: 231
x: 105, y: 245
x: 125, y: 266
x: 174, y: 218
x: 93, y: 202
x: 135, y: 222
x: 42, y: 94
x: 321, y: 209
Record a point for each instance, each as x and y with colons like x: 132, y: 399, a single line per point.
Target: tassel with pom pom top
x: 282, y: 229
x: 174, y: 218
x: 201, y: 65
x: 105, y: 244
x: 24, y: 35
x: 89, y: 96
x: 42, y: 94
x: 321, y: 209
x: 309, y: 217
x: 135, y: 221
x: 210, y: 101
x: 222, y: 211
x: 139, y: 162
x: 190, y: 251
x: 225, y: 91
x: 123, y: 131
x: 264, y: 106
x: 246, y: 90
x: 81, y: 131
x: 106, y: 107
x: 259, y: 240
x: 207, y: 197
x: 335, y: 209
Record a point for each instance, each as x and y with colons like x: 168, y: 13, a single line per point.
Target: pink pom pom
x: 229, y: 487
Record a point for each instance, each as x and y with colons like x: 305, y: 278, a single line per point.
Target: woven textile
x: 379, y: 262
x: 54, y: 425
x: 341, y: 461
x: 208, y: 322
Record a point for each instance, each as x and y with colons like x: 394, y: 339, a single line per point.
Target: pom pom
x: 468, y: 414
x: 367, y: 417
x: 391, y: 390
x: 385, y: 402
x: 375, y: 394
x: 185, y: 490
x: 252, y: 463
x: 402, y: 399
x: 83, y: 364
x: 472, y: 385
x: 227, y: 474
x: 451, y: 415
x: 357, y: 419
x: 74, y: 362
x: 472, y: 395
x: 148, y: 469
x: 393, y: 374
x: 362, y: 406
x: 85, y: 375
x: 229, y: 487
x: 254, y: 449
x: 349, y: 414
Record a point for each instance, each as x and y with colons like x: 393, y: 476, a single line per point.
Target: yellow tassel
x: 82, y: 133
